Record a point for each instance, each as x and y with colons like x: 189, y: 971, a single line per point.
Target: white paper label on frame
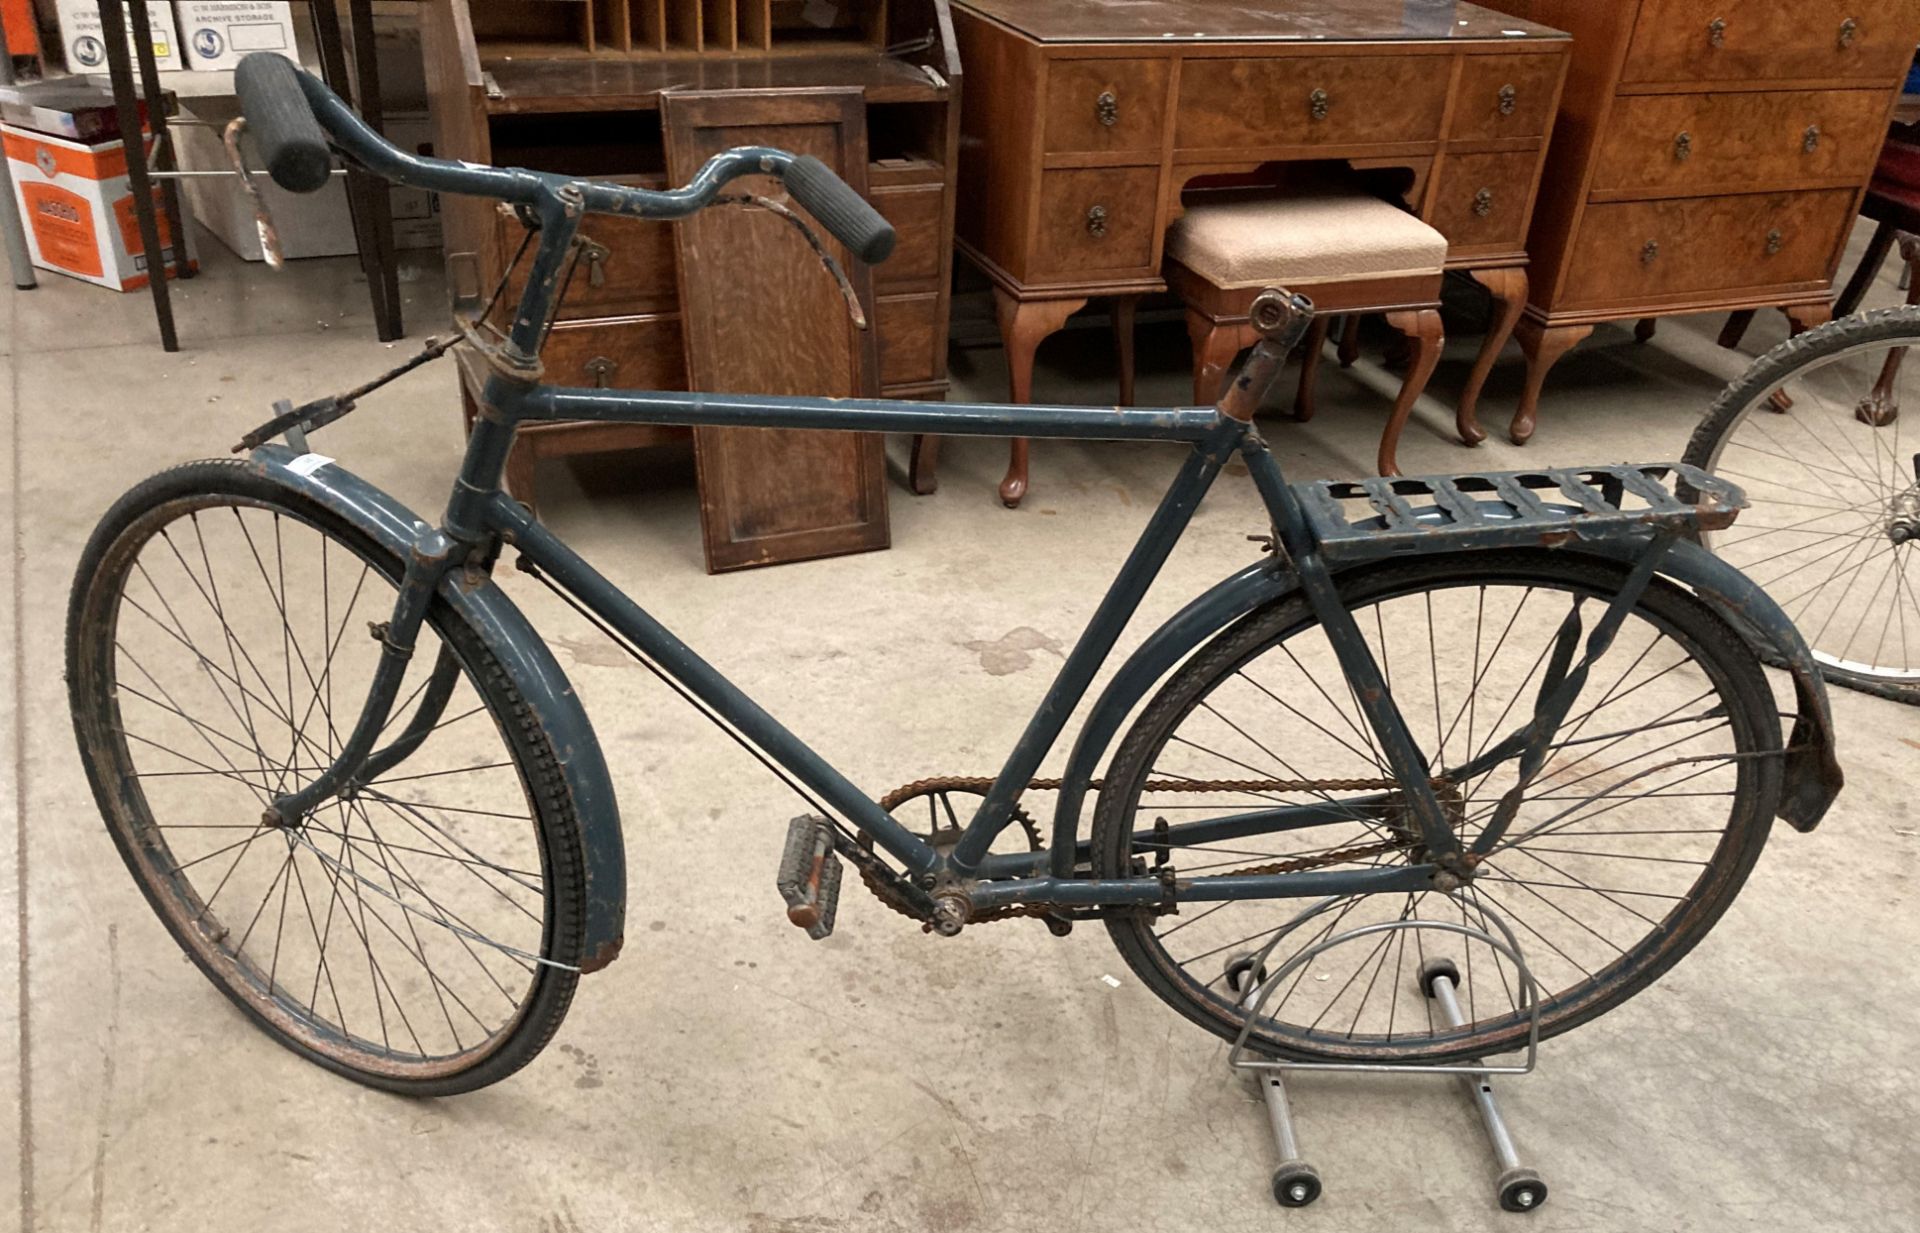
x: 305, y: 465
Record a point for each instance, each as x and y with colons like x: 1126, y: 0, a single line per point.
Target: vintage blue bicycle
x: 358, y: 789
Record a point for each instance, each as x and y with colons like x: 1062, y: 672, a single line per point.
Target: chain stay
x: 887, y: 886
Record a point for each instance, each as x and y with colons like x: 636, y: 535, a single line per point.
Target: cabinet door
x: 762, y: 316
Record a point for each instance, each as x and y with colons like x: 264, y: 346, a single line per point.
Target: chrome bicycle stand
x: 1296, y: 1183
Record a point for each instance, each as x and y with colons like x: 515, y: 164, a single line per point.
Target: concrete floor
x: 728, y: 1074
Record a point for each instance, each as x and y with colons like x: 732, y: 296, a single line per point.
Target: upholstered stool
x: 1352, y: 253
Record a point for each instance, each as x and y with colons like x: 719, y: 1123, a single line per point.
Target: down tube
x: 1116, y: 608
x: 612, y: 605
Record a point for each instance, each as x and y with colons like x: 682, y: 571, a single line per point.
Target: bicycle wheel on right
x: 1816, y: 433
x: 1639, y: 830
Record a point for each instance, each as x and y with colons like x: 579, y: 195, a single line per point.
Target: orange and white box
x: 78, y: 208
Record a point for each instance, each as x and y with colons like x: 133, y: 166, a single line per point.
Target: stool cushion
x: 1317, y: 238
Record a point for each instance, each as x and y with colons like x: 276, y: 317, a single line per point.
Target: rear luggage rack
x: 1360, y: 520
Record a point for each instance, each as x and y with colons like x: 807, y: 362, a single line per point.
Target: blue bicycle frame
x: 454, y: 560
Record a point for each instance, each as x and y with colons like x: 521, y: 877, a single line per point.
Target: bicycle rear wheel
x: 422, y: 936
x: 1818, y: 433
x: 1638, y: 832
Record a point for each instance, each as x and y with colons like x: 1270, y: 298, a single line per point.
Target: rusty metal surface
x: 1512, y: 509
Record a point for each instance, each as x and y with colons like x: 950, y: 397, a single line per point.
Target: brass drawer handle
x: 1848, y: 29
x: 1717, y: 32
x: 1683, y: 147
x: 1483, y: 202
x: 1509, y: 99
x: 1318, y: 103
x: 601, y: 369
x: 1097, y: 222
x: 1810, y: 140
x: 596, y: 255
x: 1649, y: 251
x: 1775, y: 241
x: 1106, y: 108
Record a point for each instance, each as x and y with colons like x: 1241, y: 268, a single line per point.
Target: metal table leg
x: 163, y: 158
x: 11, y: 232
x: 367, y: 198
x: 113, y: 29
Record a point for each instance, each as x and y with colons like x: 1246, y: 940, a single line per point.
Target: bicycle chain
x: 885, y: 885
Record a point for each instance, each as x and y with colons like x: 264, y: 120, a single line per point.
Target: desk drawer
x: 632, y: 271
x: 1713, y: 40
x: 1480, y: 200
x: 1110, y: 106
x: 635, y: 353
x: 1098, y: 219
x: 916, y: 215
x: 1505, y: 96
x: 910, y: 346
x: 1705, y: 143
x: 1311, y: 100
x: 1642, y: 250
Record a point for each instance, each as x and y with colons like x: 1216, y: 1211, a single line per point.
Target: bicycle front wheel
x: 1632, y: 840
x: 422, y: 935
x: 1816, y: 432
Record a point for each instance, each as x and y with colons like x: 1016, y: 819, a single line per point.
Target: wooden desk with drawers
x: 1710, y: 155
x: 575, y: 86
x: 1083, y: 122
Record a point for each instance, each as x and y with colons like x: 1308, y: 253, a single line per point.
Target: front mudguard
x: 1812, y: 773
x: 535, y: 674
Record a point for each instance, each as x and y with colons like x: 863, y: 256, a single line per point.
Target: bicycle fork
x: 432, y: 557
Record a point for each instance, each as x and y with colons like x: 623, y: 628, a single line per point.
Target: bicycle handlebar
x: 294, y: 117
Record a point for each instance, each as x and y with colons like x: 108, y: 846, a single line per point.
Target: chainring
x: 888, y: 892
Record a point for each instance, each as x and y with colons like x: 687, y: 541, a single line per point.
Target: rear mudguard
x: 1812, y: 773
x: 523, y: 654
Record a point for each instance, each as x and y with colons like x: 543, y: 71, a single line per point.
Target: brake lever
x: 269, y: 237
x: 754, y: 200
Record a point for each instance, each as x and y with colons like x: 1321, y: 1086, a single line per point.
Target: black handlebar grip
x: 281, y: 122
x: 840, y: 210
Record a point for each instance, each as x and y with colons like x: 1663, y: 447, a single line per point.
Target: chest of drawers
x: 1709, y: 155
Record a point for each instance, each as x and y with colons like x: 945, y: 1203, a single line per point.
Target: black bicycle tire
x: 1767, y: 374
x: 562, y: 850
x: 1682, y: 614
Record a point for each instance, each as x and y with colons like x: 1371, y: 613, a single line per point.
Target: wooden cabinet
x: 1709, y: 155
x: 575, y: 86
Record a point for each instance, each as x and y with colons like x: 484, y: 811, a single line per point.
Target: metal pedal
x: 809, y: 878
